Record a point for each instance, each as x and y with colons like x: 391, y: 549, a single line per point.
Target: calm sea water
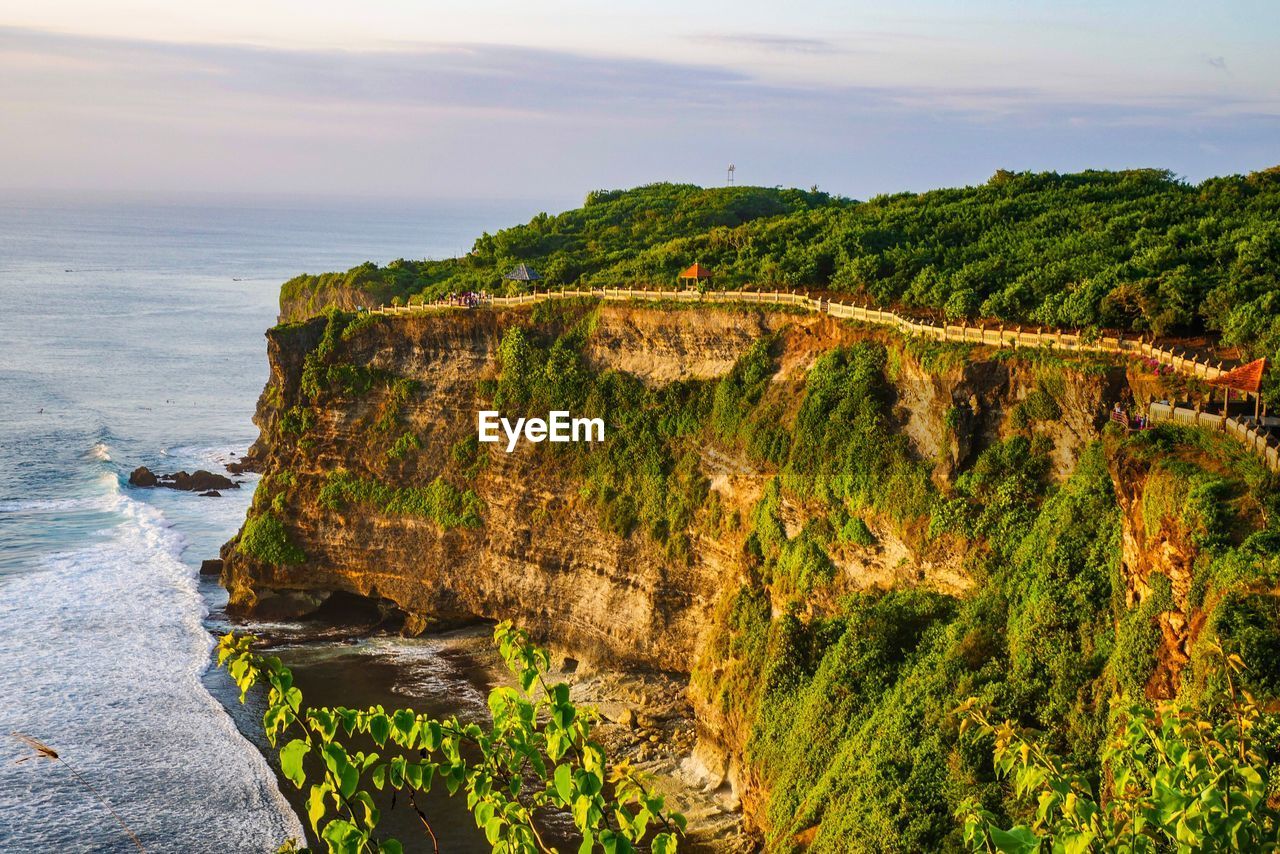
x: 131, y: 333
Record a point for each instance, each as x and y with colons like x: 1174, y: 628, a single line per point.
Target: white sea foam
x: 101, y: 655
x: 218, y: 455
x: 104, y: 498
x: 42, y: 505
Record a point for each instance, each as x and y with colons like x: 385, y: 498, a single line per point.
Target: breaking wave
x: 101, y: 655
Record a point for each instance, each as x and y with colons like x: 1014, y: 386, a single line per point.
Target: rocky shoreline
x: 644, y: 717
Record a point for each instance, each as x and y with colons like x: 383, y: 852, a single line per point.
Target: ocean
x: 131, y: 333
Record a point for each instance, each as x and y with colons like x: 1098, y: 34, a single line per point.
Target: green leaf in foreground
x: 1182, y: 778
x: 291, y: 756
x: 538, y: 754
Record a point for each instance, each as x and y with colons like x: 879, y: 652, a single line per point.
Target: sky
x: 549, y: 99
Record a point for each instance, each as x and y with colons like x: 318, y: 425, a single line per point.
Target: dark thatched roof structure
x: 522, y: 273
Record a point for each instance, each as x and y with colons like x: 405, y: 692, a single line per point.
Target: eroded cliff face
x: 541, y: 555
x: 1161, y: 547
x: 1161, y: 550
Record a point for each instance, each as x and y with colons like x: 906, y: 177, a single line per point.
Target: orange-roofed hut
x: 1246, y: 378
x: 694, y: 273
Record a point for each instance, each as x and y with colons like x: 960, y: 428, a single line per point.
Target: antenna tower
x: 731, y: 171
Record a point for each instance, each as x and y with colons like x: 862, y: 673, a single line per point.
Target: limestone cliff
x: 1181, y: 508
x: 398, y: 412
x: 541, y: 555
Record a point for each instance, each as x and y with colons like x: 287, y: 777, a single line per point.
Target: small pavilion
x: 522, y: 273
x: 694, y: 274
x: 1246, y: 378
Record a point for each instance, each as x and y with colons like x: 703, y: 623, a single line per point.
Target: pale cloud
x: 490, y: 119
x: 769, y: 42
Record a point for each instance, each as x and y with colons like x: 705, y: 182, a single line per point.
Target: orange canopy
x: 1243, y: 378
x: 696, y: 271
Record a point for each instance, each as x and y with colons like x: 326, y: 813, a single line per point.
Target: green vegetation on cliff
x: 646, y: 475
x: 330, y: 371
x: 847, y: 697
x: 1138, y: 249
x: 844, y: 450
x: 851, y: 726
x: 439, y: 501
x: 1178, y: 777
x: 848, y: 700
x: 843, y: 696
x: 265, y: 539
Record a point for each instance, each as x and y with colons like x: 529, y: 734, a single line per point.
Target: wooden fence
x: 1000, y: 336
x: 1243, y: 429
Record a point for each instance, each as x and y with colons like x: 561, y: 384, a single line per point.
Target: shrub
x: 468, y: 456
x: 842, y: 445
x: 856, y: 531
x: 264, y: 538
x: 1249, y: 624
x: 399, y: 391
x: 323, y: 373
x: 296, y: 420
x: 1002, y: 490
x: 1138, y: 637
x: 407, y: 443
x: 1059, y: 584
x: 1040, y: 406
x: 803, y: 565
x: 1179, y: 779
x: 357, y: 324
x: 740, y: 390
x: 440, y: 501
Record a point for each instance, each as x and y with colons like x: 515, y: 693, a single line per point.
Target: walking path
x: 1260, y: 435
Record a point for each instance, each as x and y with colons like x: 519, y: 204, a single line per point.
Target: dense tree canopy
x: 1139, y: 249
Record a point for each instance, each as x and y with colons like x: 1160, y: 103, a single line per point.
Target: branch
x: 104, y: 802
x: 435, y: 844
x: 44, y: 751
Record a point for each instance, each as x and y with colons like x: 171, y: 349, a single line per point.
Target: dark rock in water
x: 212, y: 493
x: 204, y: 482
x: 213, y: 566
x: 245, y: 464
x: 201, y: 481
